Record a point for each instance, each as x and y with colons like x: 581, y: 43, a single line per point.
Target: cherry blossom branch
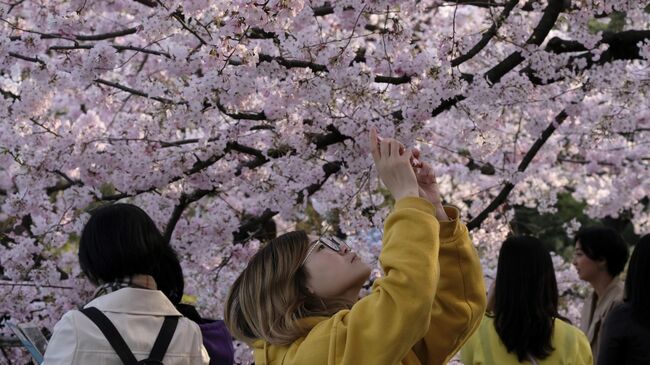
x: 134, y: 91
x: 495, y: 74
x: 528, y: 158
x: 184, y: 201
x: 74, y: 37
x: 104, y: 36
x: 117, y: 47
x: 252, y: 225
x: 37, y: 285
x: 26, y: 58
x: 149, y: 3
x: 487, y: 36
x: 329, y: 169
x: 549, y: 17
x: 622, y: 46
x: 315, y: 67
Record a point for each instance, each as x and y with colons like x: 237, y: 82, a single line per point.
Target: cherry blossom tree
x: 229, y: 121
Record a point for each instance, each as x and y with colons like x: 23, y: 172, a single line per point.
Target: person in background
x: 600, y: 257
x: 297, y: 301
x: 131, y: 317
x: 524, y: 325
x: 625, y: 339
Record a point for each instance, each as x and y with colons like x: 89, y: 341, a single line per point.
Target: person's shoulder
x: 619, y: 314
x: 188, y: 326
x: 568, y: 328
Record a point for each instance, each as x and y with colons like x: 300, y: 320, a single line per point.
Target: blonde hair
x: 270, y: 295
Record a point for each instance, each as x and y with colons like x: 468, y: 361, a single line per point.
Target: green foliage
x: 616, y: 23
x: 549, y: 227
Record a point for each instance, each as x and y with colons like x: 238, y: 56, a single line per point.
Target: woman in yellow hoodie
x: 297, y: 302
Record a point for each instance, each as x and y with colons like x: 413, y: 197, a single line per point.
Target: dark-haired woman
x: 525, y: 326
x: 600, y: 257
x: 626, y: 334
x: 122, y: 252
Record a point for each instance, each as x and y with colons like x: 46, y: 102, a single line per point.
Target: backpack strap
x: 164, y: 339
x: 111, y: 334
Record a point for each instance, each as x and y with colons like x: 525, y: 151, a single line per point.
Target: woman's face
x: 334, y: 274
x: 587, y: 268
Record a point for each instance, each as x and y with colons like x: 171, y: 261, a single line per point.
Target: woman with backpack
x: 131, y: 320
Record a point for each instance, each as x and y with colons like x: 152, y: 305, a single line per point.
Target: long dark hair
x: 526, y: 297
x: 638, y: 276
x: 121, y: 240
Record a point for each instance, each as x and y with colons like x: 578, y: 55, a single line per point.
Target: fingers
x: 394, y: 148
x: 374, y: 144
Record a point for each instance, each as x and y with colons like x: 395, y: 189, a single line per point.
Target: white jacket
x: 138, y: 315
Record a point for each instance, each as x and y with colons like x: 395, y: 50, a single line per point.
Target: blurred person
x: 599, y: 258
x: 625, y: 339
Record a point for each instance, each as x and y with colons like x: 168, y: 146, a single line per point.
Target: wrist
x: 441, y: 215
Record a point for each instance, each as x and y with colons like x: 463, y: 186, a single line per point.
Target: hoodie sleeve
x: 383, y: 327
x: 460, y: 299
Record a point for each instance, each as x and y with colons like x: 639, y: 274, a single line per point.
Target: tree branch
x: 135, y: 92
x: 530, y: 155
x: 117, y: 47
x: 329, y: 169
x: 104, y: 36
x: 487, y: 36
x: 185, y: 201
x: 25, y: 58
x: 495, y: 74
x: 539, y: 34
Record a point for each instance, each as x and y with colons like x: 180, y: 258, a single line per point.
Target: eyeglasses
x: 332, y: 242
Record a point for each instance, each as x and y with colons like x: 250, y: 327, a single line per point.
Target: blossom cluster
x: 220, y: 117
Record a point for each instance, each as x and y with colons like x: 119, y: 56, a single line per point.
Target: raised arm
x: 460, y: 300
x: 383, y: 327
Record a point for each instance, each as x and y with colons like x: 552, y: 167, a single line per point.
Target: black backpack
x: 122, y: 349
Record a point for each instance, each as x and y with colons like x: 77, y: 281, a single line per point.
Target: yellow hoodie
x: 429, y: 302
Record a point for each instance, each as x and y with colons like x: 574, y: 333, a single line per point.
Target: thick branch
x: 252, y: 225
x: 329, y: 169
x: 100, y: 37
x: 134, y: 91
x: 333, y: 136
x: 6, y: 341
x: 242, y: 115
x: 26, y: 58
x: 185, y: 201
x: 530, y: 155
x: 117, y: 47
x: 622, y: 46
x: 487, y: 36
x: 539, y: 34
x: 495, y: 74
x: 149, y: 3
